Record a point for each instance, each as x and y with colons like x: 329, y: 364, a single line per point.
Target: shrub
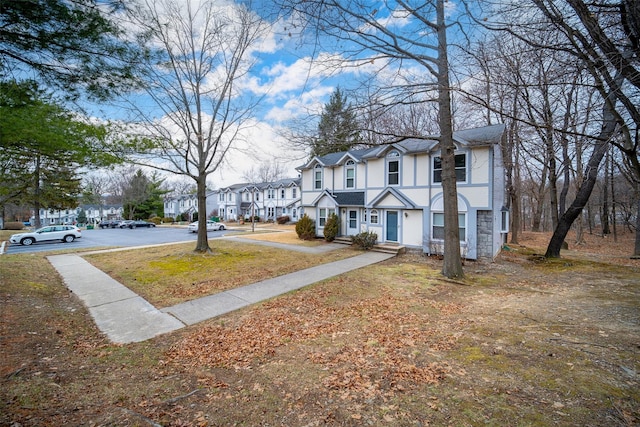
x: 306, y: 228
x: 156, y: 220
x: 283, y: 219
x: 168, y: 219
x: 365, y: 240
x: 331, y: 228
x: 13, y: 225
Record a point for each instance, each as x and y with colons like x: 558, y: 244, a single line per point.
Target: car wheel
x: 27, y: 241
x: 69, y: 238
x: 222, y: 227
x: 152, y: 226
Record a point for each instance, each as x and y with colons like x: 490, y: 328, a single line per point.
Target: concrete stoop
x: 387, y: 248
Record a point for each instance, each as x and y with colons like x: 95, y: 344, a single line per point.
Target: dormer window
x: 317, y: 177
x: 350, y: 174
x: 393, y: 168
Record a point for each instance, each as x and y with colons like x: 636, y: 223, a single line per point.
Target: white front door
x: 352, y: 222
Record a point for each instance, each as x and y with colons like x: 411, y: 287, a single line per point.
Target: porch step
x: 387, y: 248
x: 342, y: 240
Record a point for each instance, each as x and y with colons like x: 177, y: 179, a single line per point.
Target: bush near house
x: 331, y: 228
x: 283, y: 219
x: 168, y: 219
x: 306, y: 228
x: 365, y: 240
x: 156, y: 220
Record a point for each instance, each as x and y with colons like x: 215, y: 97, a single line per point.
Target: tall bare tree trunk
x: 202, y: 244
x: 452, y: 265
x: 609, y: 126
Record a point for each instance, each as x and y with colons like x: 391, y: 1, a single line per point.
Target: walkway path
x: 126, y: 317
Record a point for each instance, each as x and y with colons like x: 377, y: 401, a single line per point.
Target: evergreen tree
x: 143, y: 196
x: 69, y: 45
x: 338, y: 127
x: 42, y: 146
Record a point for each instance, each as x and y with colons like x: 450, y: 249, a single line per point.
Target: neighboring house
x: 395, y: 191
x: 94, y: 214
x: 267, y: 200
x: 188, y: 204
x: 229, y: 201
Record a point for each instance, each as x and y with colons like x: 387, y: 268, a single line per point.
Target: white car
x: 66, y: 233
x: 211, y: 226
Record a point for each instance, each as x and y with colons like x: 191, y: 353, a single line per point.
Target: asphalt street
x: 111, y: 237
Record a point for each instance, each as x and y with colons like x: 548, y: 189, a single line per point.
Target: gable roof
x: 395, y: 193
x: 476, y: 137
x: 347, y: 198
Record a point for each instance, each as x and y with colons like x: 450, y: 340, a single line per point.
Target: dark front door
x: 392, y: 226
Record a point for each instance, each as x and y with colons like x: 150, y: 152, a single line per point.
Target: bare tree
x: 604, y: 39
x: 367, y: 36
x: 197, y: 54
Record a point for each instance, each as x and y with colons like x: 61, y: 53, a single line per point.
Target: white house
x: 94, y: 214
x: 188, y: 204
x: 267, y: 200
x: 395, y: 191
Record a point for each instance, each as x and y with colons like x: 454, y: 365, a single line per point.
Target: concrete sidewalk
x: 125, y: 317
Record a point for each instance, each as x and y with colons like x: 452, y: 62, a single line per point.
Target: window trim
x: 462, y: 225
x: 374, y: 214
x: 317, y: 181
x: 350, y: 166
x: 439, y: 159
x: 393, y: 157
x: 504, y: 221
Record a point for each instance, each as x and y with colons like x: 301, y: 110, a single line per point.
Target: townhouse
x: 267, y: 200
x: 395, y: 191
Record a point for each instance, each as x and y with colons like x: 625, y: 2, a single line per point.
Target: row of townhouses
x: 267, y: 201
x: 94, y: 214
x: 395, y: 191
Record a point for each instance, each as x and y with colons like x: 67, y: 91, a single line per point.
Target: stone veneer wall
x: 485, y: 234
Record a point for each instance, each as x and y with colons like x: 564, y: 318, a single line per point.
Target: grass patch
x: 390, y: 344
x: 169, y: 275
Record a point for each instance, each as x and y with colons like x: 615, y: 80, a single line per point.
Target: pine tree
x: 338, y: 127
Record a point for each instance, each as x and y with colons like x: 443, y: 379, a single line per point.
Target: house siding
x: 407, y: 208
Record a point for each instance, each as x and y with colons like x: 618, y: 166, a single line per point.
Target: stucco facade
x: 395, y: 191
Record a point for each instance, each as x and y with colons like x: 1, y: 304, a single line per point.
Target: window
x: 221, y: 197
x: 350, y: 174
x: 270, y: 212
x: 353, y: 219
x: 323, y: 215
x: 374, y: 216
x: 282, y: 193
x: 294, y: 193
x: 504, y: 221
x: 271, y: 194
x: 438, y: 226
x: 246, y: 196
x: 393, y: 168
x: 461, y: 168
x: 317, y: 177
x: 294, y: 213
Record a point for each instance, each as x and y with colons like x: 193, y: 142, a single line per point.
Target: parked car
x: 109, y: 223
x: 66, y: 233
x: 125, y: 223
x: 211, y: 226
x: 136, y: 224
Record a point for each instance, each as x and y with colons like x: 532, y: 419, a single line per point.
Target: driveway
x: 116, y: 237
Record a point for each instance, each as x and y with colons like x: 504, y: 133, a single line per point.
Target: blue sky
x: 291, y: 87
